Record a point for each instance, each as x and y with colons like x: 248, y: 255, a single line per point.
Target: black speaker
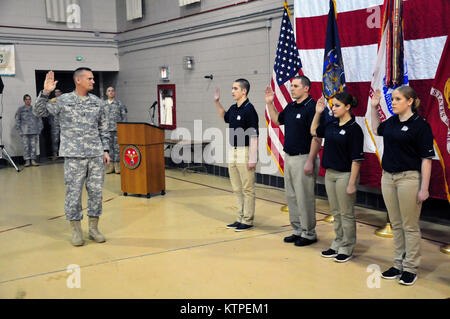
x: 1, y: 85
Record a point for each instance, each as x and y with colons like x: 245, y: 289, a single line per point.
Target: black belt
x: 295, y: 154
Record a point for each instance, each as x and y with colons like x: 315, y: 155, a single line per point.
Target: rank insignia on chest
x: 404, y: 128
x: 298, y: 116
x: 238, y: 117
x: 342, y: 132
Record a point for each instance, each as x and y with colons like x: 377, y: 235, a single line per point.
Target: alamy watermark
x: 74, y: 279
x: 374, y: 279
x: 73, y: 16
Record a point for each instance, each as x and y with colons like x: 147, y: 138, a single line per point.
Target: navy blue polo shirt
x: 405, y: 143
x: 243, y: 123
x: 343, y: 144
x: 297, y: 119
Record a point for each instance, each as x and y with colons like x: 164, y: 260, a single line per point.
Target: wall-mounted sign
x: 7, y: 59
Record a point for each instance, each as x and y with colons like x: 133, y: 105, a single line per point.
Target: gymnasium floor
x: 177, y: 246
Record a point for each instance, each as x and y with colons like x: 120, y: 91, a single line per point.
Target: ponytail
x: 409, y: 93
x: 347, y: 99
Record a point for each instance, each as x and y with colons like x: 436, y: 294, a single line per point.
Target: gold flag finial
x: 285, y: 3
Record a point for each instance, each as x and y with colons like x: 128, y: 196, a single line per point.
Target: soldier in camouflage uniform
x: 117, y: 112
x: 84, y: 146
x: 29, y: 127
x: 54, y: 128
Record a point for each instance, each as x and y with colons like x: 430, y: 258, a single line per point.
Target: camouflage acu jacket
x: 27, y: 122
x: 116, y: 112
x: 84, y: 125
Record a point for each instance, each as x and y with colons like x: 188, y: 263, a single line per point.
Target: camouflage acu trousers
x: 77, y: 171
x: 114, y: 150
x: 29, y: 142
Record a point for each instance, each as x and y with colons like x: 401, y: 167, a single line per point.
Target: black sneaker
x: 291, y: 239
x: 243, y: 227
x: 391, y: 273
x: 330, y: 253
x: 342, y: 258
x: 304, y: 241
x: 234, y: 225
x: 407, y: 278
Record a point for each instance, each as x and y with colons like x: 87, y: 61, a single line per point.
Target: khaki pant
x: 400, y: 197
x: 341, y: 206
x: 300, y: 195
x: 243, y: 184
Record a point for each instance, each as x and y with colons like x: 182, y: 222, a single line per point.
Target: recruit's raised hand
x: 376, y: 98
x: 49, y: 83
x: 269, y: 96
x: 320, y: 105
x: 217, y: 95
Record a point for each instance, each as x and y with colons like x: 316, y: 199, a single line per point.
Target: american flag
x: 287, y: 66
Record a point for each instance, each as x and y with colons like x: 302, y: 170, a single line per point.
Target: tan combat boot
x: 117, y: 167
x: 94, y: 234
x: 34, y: 163
x: 77, y: 233
x: 27, y: 163
x: 109, y: 168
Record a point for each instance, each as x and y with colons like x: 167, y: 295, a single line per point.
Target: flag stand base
x: 445, y: 249
x: 386, y: 231
x: 329, y: 219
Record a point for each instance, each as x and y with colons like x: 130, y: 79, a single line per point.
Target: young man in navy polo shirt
x: 242, y: 157
x: 301, y: 163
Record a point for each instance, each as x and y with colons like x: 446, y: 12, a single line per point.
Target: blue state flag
x: 333, y: 80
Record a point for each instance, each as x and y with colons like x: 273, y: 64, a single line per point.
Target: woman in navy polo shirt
x: 406, y: 163
x: 342, y: 153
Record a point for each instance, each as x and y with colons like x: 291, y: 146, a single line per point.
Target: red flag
x: 425, y: 34
x: 437, y: 113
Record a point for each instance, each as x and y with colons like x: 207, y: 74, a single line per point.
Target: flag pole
x: 330, y: 218
x: 285, y: 208
x: 385, y: 231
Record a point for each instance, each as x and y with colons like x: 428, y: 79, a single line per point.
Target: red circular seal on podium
x: 131, y: 157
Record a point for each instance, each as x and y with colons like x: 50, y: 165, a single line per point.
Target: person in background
x: 29, y: 127
x: 116, y: 112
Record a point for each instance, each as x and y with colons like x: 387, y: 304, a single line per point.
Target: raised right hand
x: 376, y: 98
x: 320, y: 105
x: 49, y: 83
x: 217, y: 95
x: 269, y: 95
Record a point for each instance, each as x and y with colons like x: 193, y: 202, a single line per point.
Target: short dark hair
x: 25, y: 96
x: 79, y: 70
x: 304, y: 79
x: 244, y: 84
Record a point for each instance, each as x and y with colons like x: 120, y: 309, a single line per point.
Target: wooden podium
x: 142, y: 169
